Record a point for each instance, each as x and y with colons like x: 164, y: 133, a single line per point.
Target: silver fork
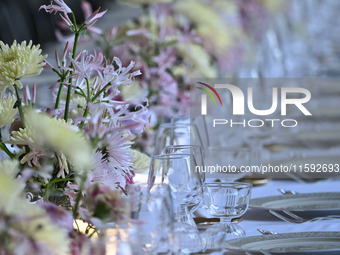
x: 286, y: 192
x: 266, y: 232
x: 293, y: 218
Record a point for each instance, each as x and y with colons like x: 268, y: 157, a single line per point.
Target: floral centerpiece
x: 77, y: 153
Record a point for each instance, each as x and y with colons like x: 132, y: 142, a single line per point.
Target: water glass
x: 152, y: 215
x: 225, y: 201
x: 178, y: 171
x: 175, y: 134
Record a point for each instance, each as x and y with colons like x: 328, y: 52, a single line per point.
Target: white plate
x: 327, y: 201
x: 292, y: 243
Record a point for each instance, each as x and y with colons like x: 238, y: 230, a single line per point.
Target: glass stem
x: 225, y: 220
x: 183, y: 215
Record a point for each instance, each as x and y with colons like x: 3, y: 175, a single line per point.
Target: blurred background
x: 173, y: 42
x: 295, y: 38
x: 21, y: 20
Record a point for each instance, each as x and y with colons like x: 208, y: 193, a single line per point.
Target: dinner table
x: 261, y: 218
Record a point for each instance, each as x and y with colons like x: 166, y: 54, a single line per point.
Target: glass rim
x: 228, y: 184
x: 171, y: 156
x: 183, y: 146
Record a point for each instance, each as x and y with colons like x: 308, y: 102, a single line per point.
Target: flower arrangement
x: 77, y: 153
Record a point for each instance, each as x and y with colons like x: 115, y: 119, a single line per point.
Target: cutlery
x: 266, y: 232
x: 287, y: 192
x: 293, y: 218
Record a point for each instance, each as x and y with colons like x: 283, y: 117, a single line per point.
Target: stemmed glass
x: 176, y: 134
x: 225, y: 201
x: 152, y: 215
x: 178, y: 171
x: 196, y: 151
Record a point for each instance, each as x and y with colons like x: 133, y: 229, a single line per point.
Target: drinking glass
x: 175, y: 134
x: 178, y: 171
x: 152, y: 215
x: 225, y: 201
x: 195, y: 150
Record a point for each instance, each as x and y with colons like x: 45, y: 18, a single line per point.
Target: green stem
x: 18, y: 104
x: 86, y: 112
x: 100, y: 91
x: 69, y: 89
x: 5, y: 149
x: 76, y: 37
x: 68, y: 99
x: 75, y: 221
x: 57, y: 102
x: 80, y: 191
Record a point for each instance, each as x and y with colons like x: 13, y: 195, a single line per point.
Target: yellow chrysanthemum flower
x: 7, y: 112
x: 19, y: 61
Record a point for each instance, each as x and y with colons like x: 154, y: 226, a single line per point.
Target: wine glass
x: 225, y: 201
x: 196, y: 151
x: 152, y: 214
x: 175, y: 134
x: 178, y: 171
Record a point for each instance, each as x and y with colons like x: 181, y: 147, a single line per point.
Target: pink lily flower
x: 91, y: 18
x: 59, y: 7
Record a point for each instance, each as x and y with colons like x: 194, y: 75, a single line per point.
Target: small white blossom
x: 7, y: 110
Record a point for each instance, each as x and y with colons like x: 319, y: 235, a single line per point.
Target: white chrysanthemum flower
x: 10, y: 188
x: 28, y: 136
x: 7, y: 110
x: 79, y: 101
x: 29, y: 222
x: 25, y: 136
x: 62, y: 137
x: 19, y: 61
x: 9, y: 167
